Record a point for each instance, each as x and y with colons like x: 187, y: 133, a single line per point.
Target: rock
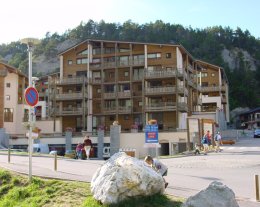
x: 122, y: 177
x: 215, y: 195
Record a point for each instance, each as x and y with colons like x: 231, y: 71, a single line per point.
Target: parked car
x: 70, y: 154
x: 257, y: 133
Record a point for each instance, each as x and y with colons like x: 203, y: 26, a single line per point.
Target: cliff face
x: 231, y: 57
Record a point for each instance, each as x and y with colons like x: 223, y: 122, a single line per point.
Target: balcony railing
x: 109, y: 64
x: 163, y: 106
x: 160, y: 73
x: 125, y: 94
x: 139, y: 62
x: 190, y: 68
x: 68, y: 96
x: 138, y: 77
x: 160, y: 90
x: 68, y: 81
x: 69, y: 111
x: 124, y: 109
x: 111, y: 95
x: 96, y: 80
x: 110, y: 110
x: 211, y: 88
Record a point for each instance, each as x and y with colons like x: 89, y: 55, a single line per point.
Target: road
x: 235, y: 166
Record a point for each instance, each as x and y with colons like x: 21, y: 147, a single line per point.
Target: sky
x: 34, y: 18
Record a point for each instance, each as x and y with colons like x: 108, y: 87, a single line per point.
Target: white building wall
x: 179, y: 58
x: 215, y: 99
x: 18, y: 113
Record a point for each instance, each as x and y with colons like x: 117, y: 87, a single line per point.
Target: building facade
x: 105, y: 81
x: 12, y: 103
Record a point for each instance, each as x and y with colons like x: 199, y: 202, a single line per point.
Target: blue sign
x: 31, y: 96
x: 151, y: 133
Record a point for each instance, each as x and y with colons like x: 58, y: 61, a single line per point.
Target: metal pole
x: 30, y: 114
x: 9, y: 155
x: 257, y: 188
x: 55, y: 161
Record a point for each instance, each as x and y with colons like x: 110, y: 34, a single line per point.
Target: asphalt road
x: 235, y: 166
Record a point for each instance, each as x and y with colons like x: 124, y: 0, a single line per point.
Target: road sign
x: 31, y: 96
x: 151, y: 133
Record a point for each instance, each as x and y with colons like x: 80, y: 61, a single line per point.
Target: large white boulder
x: 215, y: 195
x: 124, y: 177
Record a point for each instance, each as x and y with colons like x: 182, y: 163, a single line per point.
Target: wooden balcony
x: 124, y: 109
x: 109, y: 110
x: 70, y: 81
x: 160, y: 90
x: 109, y: 64
x: 138, y: 77
x: 124, y: 94
x: 111, y: 95
x: 71, y: 96
x: 138, y: 62
x: 162, y: 73
x: 95, y: 80
x: 163, y: 106
x: 211, y: 88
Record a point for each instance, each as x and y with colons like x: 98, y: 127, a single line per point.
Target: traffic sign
x: 31, y: 96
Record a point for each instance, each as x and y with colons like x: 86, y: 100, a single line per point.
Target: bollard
x: 257, y: 188
x: 9, y: 155
x: 55, y: 161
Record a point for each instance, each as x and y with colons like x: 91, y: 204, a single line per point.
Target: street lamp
x: 30, y: 42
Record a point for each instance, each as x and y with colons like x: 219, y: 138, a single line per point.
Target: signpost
x: 31, y: 97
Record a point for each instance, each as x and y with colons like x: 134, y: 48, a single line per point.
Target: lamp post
x: 30, y: 42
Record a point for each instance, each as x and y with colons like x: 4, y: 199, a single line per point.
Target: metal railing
x: 109, y: 95
x: 69, y: 111
x: 125, y: 94
x: 160, y: 73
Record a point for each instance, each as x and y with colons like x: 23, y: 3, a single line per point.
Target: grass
x: 15, y: 190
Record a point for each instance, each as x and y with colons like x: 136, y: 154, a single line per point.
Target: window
x: 126, y: 73
x: 126, y: 117
x: 7, y: 98
x: 8, y: 85
x: 8, y: 115
x: 70, y: 62
x: 82, y: 61
x: 69, y: 76
x: 168, y: 55
x: 84, y: 52
x: 213, y: 74
x: 204, y: 75
x: 98, y: 90
x: 154, y: 56
x: 140, y: 103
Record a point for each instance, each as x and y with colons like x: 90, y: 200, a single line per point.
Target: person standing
x: 218, y: 141
x: 209, y: 138
x: 87, y: 146
x: 205, y: 143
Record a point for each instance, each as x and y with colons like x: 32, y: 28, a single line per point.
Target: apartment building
x: 12, y: 107
x: 130, y: 82
x: 213, y: 88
